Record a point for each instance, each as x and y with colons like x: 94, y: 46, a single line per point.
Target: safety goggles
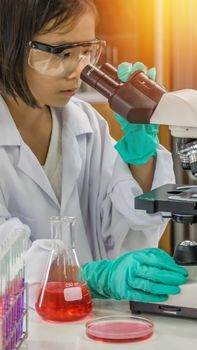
x: 61, y: 60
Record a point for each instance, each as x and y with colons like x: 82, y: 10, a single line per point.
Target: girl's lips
x: 69, y: 92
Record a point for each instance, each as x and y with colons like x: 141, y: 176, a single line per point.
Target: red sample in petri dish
x: 119, y: 329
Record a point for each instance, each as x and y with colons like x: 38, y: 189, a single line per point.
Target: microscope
x: 141, y: 100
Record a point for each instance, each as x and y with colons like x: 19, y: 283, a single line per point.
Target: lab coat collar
x: 9, y: 135
x: 76, y: 119
x: 75, y: 123
x: 34, y: 170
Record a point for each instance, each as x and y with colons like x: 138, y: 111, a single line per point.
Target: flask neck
x: 56, y: 228
x: 62, y: 229
x: 68, y: 232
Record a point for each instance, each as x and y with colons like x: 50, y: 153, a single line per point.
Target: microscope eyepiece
x: 98, y: 80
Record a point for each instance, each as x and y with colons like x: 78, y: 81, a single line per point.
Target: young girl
x: 57, y: 157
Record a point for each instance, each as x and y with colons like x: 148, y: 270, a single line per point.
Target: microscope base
x: 164, y: 310
x: 180, y: 305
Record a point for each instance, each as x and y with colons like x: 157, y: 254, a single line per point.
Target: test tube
x: 11, y: 289
x: 1, y: 305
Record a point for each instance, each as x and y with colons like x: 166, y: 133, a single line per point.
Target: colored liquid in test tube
x: 11, y: 287
x: 64, y: 295
x: 2, y: 303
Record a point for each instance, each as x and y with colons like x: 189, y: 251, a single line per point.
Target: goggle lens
x: 64, y: 62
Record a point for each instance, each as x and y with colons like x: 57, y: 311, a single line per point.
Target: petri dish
x: 119, y: 329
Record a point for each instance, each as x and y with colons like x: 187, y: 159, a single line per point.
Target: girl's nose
x: 75, y: 73
x: 78, y: 67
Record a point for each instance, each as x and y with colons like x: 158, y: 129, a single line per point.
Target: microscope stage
x: 170, y: 198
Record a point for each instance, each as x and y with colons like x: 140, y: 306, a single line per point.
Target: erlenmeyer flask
x: 64, y: 295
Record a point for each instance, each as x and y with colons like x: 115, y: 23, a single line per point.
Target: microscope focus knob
x: 186, y: 253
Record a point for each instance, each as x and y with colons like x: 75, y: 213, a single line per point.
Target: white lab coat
x: 97, y: 186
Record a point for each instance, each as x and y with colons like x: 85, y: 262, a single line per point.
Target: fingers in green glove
x: 152, y: 128
x: 141, y: 296
x: 154, y: 288
x: 160, y: 275
x: 151, y: 73
x: 126, y: 69
x: 147, y: 275
x: 156, y: 257
x: 138, y: 66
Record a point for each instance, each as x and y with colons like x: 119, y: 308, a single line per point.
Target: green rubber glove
x: 147, y: 275
x: 140, y: 141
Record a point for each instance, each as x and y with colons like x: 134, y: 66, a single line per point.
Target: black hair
x: 20, y: 20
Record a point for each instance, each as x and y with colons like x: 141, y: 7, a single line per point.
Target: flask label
x: 72, y: 293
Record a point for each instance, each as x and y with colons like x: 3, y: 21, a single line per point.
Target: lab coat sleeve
x: 121, y: 226
x: 4, y: 213
x: 33, y: 272
x: 145, y: 230
x: 8, y: 223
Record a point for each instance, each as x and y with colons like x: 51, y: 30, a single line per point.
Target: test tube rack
x: 13, y: 290
x: 14, y: 324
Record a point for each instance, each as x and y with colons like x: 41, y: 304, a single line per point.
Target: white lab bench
x: 169, y: 333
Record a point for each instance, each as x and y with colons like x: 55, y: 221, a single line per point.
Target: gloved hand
x: 140, y: 141
x: 147, y: 275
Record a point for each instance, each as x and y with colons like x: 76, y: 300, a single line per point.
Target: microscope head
x: 141, y: 100
x: 178, y: 110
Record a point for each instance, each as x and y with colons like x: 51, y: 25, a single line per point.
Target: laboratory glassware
x: 119, y: 329
x: 13, y: 290
x: 64, y: 294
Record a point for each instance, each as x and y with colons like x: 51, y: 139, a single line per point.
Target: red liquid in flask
x: 58, y: 302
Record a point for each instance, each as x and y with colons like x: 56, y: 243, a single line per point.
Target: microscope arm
x: 178, y: 109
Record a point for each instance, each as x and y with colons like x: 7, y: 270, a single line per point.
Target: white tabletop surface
x: 169, y: 333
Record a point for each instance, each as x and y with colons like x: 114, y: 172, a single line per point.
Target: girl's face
x: 55, y: 90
